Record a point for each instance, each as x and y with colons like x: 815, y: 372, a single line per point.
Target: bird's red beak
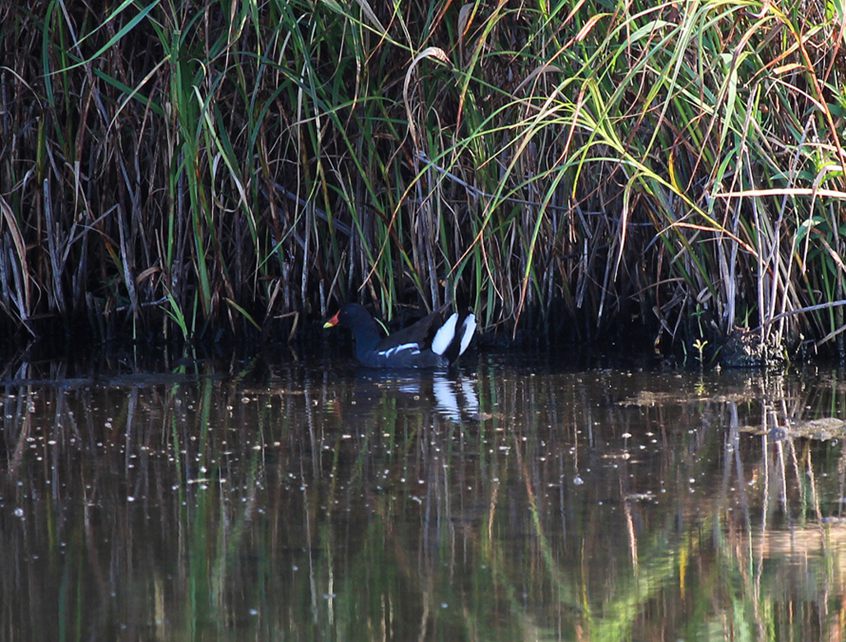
x: 331, y: 323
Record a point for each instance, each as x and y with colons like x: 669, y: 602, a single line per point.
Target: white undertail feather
x: 467, y: 330
x: 445, y: 335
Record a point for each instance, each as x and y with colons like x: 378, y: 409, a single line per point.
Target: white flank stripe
x: 445, y: 335
x: 405, y: 346
x: 468, y: 328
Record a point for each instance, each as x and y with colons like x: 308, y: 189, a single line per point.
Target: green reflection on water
x: 506, y: 502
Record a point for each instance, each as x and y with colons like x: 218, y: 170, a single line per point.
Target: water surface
x: 514, y: 499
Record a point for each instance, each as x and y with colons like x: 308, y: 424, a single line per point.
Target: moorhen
x: 424, y: 344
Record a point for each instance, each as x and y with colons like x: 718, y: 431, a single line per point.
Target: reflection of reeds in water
x: 345, y: 504
x: 802, y: 544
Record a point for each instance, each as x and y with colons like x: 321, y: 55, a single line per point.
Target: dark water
x: 512, y: 501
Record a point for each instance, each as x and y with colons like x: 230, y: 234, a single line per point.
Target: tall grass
x: 183, y: 166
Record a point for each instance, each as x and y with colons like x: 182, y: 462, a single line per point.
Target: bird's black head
x: 351, y: 315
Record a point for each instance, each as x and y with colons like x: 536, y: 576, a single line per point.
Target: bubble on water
x: 578, y: 481
x: 19, y: 512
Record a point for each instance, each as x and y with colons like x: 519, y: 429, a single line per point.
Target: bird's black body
x: 428, y: 343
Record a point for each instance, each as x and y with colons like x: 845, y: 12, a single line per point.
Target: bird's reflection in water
x: 454, y: 394
x: 455, y: 406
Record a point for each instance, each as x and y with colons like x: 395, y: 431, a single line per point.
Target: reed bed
x: 188, y: 168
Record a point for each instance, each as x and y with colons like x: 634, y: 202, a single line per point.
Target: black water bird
x: 427, y: 343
